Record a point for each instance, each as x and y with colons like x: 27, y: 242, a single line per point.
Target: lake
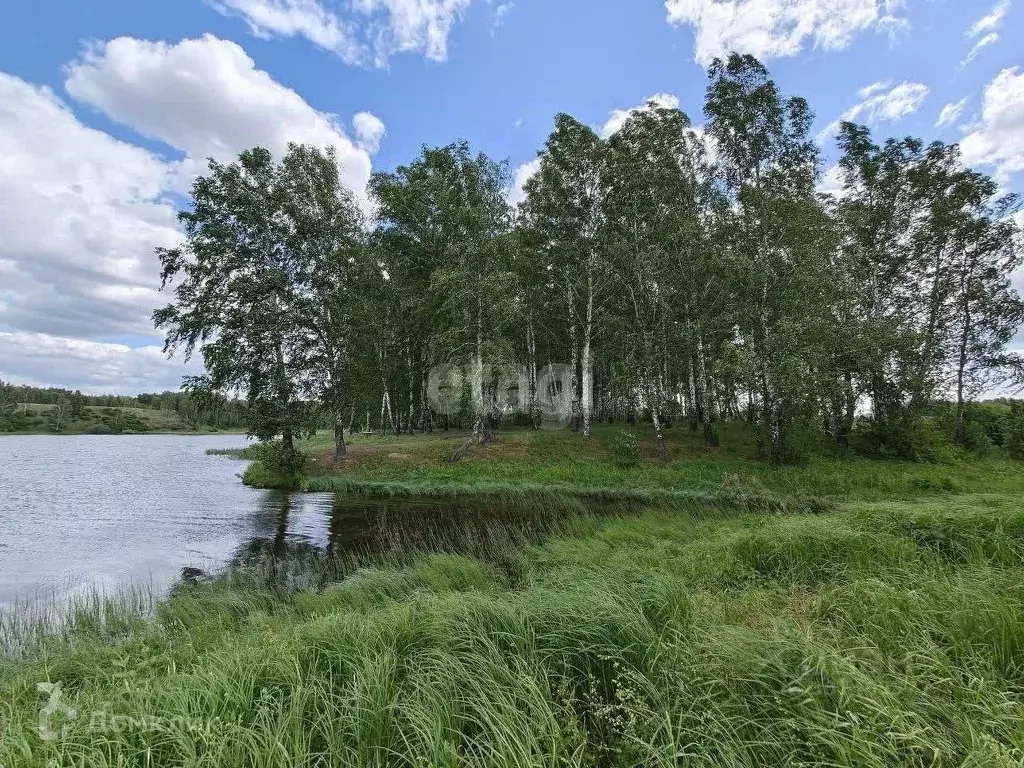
x: 99, y: 511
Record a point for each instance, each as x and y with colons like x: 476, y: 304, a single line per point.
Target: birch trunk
x: 574, y: 357
x: 704, y: 404
x: 531, y: 367
x: 587, y: 360
x: 961, y: 367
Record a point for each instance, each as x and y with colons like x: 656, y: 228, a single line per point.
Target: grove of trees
x: 687, y: 275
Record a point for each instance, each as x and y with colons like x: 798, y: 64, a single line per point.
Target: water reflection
x: 352, y: 529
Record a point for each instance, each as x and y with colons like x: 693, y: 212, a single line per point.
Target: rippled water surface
x: 97, y: 510
x: 85, y: 511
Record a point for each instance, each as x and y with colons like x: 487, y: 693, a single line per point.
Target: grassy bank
x: 880, y: 634
x: 526, y: 459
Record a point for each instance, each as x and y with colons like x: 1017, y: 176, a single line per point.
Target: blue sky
x: 109, y: 108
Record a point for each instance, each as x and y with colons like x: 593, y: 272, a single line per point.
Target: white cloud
x: 831, y: 182
x: 998, y: 139
x: 870, y: 90
x: 296, y: 18
x: 369, y: 130
x: 984, y: 31
x: 501, y: 12
x: 206, y: 98
x: 951, y: 113
x: 42, y: 360
x: 517, y: 193
x: 880, y: 103
x: 370, y: 32
x: 81, y: 213
x: 989, y: 39
x: 776, y: 28
x: 618, y: 117
x: 991, y: 21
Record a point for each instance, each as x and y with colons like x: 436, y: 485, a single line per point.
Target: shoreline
x: 183, y: 433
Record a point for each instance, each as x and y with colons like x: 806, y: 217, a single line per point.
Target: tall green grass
x: 880, y: 634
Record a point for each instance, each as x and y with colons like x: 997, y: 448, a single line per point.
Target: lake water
x: 98, y: 511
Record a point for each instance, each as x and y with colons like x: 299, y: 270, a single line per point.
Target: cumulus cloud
x: 369, y: 130
x: 881, y: 102
x: 951, y: 113
x: 369, y: 32
x: 38, y: 359
x: 618, y: 117
x: 777, y: 28
x: 998, y: 138
x: 517, y: 193
x: 81, y: 212
x: 206, y: 98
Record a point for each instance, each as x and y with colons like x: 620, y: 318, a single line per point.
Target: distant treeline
x: 196, y: 411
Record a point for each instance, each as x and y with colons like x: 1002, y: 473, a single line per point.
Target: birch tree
x: 653, y: 226
x: 325, y: 244
x: 448, y: 210
x: 259, y: 286
x: 879, y: 215
x: 564, y: 208
x: 768, y: 164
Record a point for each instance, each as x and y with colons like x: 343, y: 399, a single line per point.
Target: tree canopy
x: 682, y: 273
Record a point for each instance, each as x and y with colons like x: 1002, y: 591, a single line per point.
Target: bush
x: 976, y: 437
x: 624, y: 449
x: 1015, y: 431
x: 912, y: 438
x: 278, y: 459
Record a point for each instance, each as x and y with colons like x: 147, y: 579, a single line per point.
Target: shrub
x: 912, y: 438
x: 1015, y: 431
x: 624, y: 449
x: 278, y: 459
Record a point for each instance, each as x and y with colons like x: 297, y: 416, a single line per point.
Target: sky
x: 110, y: 108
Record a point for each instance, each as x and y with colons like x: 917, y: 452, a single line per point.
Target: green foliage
x: 624, y: 448
x: 260, y: 285
x: 1015, y: 431
x: 912, y: 438
x: 8, y: 404
x: 59, y: 414
x: 279, y: 457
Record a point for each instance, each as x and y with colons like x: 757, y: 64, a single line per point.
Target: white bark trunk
x: 587, y: 360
